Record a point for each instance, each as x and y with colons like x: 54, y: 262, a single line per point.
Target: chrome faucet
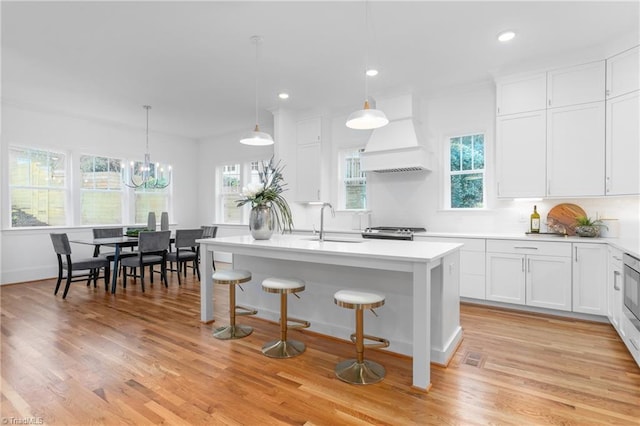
x: 333, y: 214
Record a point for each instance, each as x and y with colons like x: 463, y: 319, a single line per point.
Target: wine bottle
x: 535, y: 220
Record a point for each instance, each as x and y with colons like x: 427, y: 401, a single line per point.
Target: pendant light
x: 367, y: 118
x: 256, y: 137
x: 147, y: 175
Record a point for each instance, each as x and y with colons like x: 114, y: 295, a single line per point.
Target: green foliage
x: 587, y: 221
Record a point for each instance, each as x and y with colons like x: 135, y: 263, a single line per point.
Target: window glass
x: 150, y: 200
x: 230, y: 192
x: 37, y: 187
x: 354, y: 181
x: 466, y: 180
x: 101, y: 191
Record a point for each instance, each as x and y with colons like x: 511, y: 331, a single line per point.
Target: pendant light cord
x: 147, y: 107
x: 366, y: 50
x: 256, y: 39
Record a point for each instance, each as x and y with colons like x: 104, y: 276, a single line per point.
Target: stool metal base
x: 283, y: 349
x: 360, y: 373
x: 232, y: 332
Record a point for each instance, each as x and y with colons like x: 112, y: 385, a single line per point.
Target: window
x: 101, y: 191
x: 150, y: 200
x: 466, y: 178
x: 37, y: 187
x: 230, y: 192
x: 353, y: 181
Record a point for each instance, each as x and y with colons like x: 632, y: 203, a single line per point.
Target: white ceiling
x: 195, y: 64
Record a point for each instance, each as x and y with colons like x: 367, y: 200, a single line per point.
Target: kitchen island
x: 421, y: 316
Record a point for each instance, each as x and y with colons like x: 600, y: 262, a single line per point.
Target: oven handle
x: 616, y: 285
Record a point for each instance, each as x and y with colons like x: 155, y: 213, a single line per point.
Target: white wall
x: 28, y: 254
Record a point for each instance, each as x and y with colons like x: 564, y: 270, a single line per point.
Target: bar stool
x: 284, y: 348
x: 360, y: 371
x: 233, y: 277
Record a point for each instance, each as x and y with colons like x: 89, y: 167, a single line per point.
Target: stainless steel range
x: 391, y: 233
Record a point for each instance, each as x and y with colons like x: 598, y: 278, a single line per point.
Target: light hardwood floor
x: 140, y: 359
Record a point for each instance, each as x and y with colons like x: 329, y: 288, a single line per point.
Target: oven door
x: 632, y: 291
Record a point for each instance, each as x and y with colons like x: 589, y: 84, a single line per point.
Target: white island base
x: 421, y: 315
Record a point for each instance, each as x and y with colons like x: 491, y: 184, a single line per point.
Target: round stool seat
x: 231, y: 276
x: 283, y: 285
x: 355, y: 299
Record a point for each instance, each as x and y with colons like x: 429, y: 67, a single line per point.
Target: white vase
x: 261, y: 222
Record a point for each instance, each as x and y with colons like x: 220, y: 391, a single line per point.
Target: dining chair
x: 77, y: 269
x: 111, y: 232
x: 210, y: 232
x: 187, y: 250
x: 152, y: 250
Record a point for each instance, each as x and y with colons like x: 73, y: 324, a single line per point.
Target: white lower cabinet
x: 590, y: 278
x: 472, y: 264
x: 614, y: 289
x: 529, y: 273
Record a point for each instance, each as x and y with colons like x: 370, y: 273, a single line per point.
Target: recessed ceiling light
x: 283, y: 95
x: 372, y: 72
x: 506, y: 36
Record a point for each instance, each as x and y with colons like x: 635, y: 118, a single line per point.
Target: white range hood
x: 396, y: 146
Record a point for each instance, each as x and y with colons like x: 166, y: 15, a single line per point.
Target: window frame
x: 65, y: 188
x: 343, y: 154
x: 248, y: 172
x: 122, y: 190
x: 447, y: 173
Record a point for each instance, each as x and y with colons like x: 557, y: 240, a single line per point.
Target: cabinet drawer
x: 543, y: 248
x: 470, y: 244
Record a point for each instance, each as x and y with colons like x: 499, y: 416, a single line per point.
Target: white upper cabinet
x: 576, y: 85
x: 309, y: 172
x: 309, y: 159
x: 521, y: 94
x: 575, y: 151
x: 623, y: 144
x: 520, y: 154
x: 309, y: 131
x: 623, y: 73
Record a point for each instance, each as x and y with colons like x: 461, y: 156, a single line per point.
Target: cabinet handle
x: 525, y: 248
x: 607, y: 92
x: 549, y: 102
x: 616, y: 274
x: 528, y: 265
x: 617, y: 258
x: 498, y: 188
x: 523, y: 265
x: 498, y: 110
x: 549, y: 187
x: 576, y: 250
x: 318, y: 198
x: 634, y: 344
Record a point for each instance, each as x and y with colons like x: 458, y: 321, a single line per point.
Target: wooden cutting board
x: 562, y: 218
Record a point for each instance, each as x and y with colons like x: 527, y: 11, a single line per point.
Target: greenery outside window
x: 465, y: 179
x: 353, y: 181
x: 101, y: 191
x: 37, y: 187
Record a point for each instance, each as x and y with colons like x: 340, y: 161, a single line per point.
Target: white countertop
x: 410, y: 251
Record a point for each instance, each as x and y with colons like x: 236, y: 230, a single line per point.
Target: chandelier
x: 146, y: 175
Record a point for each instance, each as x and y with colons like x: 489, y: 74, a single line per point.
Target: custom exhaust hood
x: 396, y: 146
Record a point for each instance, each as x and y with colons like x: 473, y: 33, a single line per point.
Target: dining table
x: 117, y: 243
